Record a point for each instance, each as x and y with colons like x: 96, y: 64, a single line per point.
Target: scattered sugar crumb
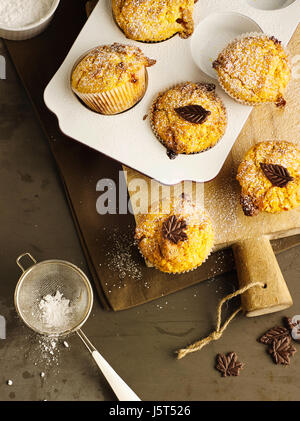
x: 49, y: 350
x: 9, y: 382
x: 120, y: 258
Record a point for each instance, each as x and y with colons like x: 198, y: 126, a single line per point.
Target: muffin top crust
x: 154, y: 20
x: 254, y: 69
x: 172, y: 117
x: 108, y: 66
x: 269, y: 177
x: 175, y: 236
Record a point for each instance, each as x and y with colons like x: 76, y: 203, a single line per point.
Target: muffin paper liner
x: 118, y: 99
x: 154, y: 129
x: 232, y: 94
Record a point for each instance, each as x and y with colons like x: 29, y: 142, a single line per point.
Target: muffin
x: 175, y: 236
x: 269, y: 177
x: 254, y: 70
x: 188, y: 118
x: 154, y: 20
x: 111, y: 78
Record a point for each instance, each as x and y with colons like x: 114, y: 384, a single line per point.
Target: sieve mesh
x: 45, y: 278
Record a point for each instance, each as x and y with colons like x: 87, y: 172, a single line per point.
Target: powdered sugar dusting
x: 20, y: 13
x: 254, y: 69
x: 224, y: 214
x: 147, y: 20
x: 120, y: 257
x: 55, y: 311
x: 108, y: 66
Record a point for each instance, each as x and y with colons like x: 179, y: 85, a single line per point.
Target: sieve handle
x: 120, y: 388
x: 18, y: 261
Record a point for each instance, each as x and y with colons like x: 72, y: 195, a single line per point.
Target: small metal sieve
x: 47, y: 277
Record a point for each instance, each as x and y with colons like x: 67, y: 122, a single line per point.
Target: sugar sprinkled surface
x: 120, y: 257
x: 224, y: 215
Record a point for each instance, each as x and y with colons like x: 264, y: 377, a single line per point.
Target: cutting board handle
x: 256, y: 262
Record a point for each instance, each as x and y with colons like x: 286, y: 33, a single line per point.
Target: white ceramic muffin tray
x: 127, y: 137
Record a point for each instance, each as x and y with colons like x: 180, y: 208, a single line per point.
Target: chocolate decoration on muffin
x: 173, y: 229
x: 188, y: 118
x: 193, y: 113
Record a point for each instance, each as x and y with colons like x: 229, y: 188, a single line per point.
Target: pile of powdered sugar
x: 56, y: 311
x: 21, y: 13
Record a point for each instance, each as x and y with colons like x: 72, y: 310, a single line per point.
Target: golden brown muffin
x: 254, y: 70
x: 189, y: 118
x: 154, y: 20
x: 270, y: 178
x: 176, y: 236
x: 111, y: 78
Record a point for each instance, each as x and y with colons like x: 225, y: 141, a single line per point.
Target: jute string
x: 214, y: 336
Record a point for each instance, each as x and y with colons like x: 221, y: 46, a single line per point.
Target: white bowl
x: 270, y: 5
x: 29, y: 31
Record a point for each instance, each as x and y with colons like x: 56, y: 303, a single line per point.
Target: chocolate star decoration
x: 173, y: 229
x: 193, y: 113
x: 277, y: 174
x: 228, y: 365
x: 274, y: 334
x: 282, y: 350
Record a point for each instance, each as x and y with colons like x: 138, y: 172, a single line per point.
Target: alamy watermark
x: 2, y: 327
x: 2, y: 67
x: 144, y: 195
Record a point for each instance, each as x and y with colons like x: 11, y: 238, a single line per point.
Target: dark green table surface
x: 139, y: 343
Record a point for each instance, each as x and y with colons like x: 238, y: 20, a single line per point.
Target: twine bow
x: 214, y: 336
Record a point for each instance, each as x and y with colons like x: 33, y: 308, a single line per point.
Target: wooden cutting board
x: 250, y: 236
